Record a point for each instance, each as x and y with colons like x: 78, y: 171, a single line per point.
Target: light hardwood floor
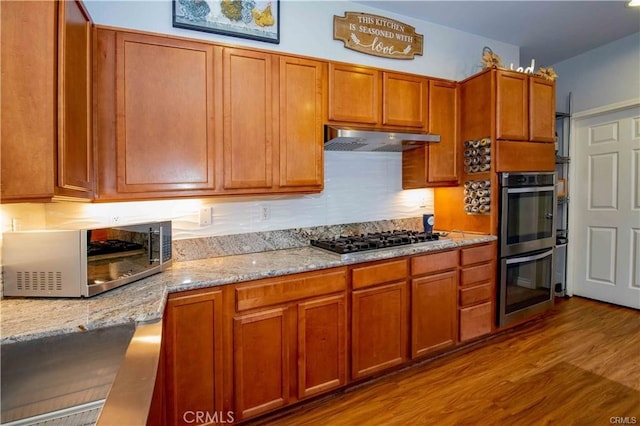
x: 577, y: 365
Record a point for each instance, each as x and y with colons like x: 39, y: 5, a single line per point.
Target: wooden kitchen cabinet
x: 249, y: 132
x: 354, y: 94
x: 379, y: 317
x: 272, y: 144
x: 46, y: 101
x: 434, y: 289
x: 198, y: 119
x: 193, y: 354
x: 289, y: 340
x: 302, y: 103
x: 374, y: 98
x: 525, y: 107
x: 436, y: 164
x: 404, y: 100
x: 261, y: 362
x: 159, y: 92
x: 477, y: 291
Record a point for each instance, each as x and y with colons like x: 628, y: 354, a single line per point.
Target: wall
x: 599, y: 77
x: 359, y: 187
x: 306, y: 28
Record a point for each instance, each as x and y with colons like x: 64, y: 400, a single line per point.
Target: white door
x: 605, y: 207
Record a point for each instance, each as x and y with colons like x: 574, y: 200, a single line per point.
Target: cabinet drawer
x: 274, y: 291
x: 380, y: 273
x: 475, y: 321
x: 477, y: 254
x: 476, y: 294
x: 434, y: 262
x: 476, y: 274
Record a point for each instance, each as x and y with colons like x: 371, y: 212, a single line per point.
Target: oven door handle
x: 529, y: 258
x: 530, y: 189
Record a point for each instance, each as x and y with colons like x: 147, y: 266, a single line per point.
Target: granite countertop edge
x: 24, y: 319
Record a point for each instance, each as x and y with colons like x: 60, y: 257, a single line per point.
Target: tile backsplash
x: 359, y: 187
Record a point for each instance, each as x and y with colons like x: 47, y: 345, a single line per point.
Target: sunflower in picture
x: 264, y: 18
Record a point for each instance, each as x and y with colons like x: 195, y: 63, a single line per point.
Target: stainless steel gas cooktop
x: 379, y: 240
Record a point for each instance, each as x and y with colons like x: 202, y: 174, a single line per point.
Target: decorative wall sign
x: 256, y: 20
x: 377, y: 35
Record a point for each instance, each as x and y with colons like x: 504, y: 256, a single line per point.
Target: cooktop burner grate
x: 364, y: 242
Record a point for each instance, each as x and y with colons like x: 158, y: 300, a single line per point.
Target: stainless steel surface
x: 53, y: 373
x: 59, y: 263
x: 81, y: 415
x: 374, y: 140
x: 130, y: 395
x: 533, y: 307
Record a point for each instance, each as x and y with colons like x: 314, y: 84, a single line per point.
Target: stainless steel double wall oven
x: 527, y: 241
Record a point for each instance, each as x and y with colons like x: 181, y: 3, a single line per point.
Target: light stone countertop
x: 143, y: 301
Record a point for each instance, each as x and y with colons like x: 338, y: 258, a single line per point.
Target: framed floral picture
x: 255, y: 20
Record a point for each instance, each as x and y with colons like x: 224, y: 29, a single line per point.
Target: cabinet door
x: 475, y: 321
x: 404, y: 100
x: 322, y: 334
x: 261, y: 362
x: 512, y: 106
x: 28, y: 99
x: 248, y: 119
x: 74, y: 165
x: 193, y: 354
x: 164, y: 101
x: 433, y: 312
x: 542, y: 110
x: 444, y: 156
x: 354, y: 94
x: 301, y: 119
x: 378, y: 329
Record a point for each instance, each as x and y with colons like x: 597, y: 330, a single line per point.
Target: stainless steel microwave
x: 83, y: 263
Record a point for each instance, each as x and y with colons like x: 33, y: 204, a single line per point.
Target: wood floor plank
x: 577, y: 365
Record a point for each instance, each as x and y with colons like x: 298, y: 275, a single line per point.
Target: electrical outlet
x: 265, y: 212
x: 114, y: 220
x: 206, y: 216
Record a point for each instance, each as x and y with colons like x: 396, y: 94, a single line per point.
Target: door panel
x: 606, y: 216
x: 261, y: 362
x: 164, y: 114
x: 603, y: 181
x: 602, y: 255
x: 248, y: 122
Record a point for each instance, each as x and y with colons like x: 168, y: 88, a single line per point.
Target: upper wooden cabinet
x: 437, y: 164
x: 273, y: 114
x: 46, y: 96
x: 196, y: 119
x: 376, y: 98
x: 249, y: 131
x: 404, y: 100
x: 159, y: 94
x: 302, y: 92
x: 525, y: 107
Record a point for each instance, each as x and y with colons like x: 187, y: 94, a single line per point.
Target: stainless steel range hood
x: 374, y: 140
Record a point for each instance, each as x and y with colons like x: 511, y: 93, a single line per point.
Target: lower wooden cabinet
x: 477, y: 292
x: 433, y: 312
x: 322, y: 345
x: 253, y: 347
x: 261, y: 362
x: 379, y: 330
x: 289, y: 340
x: 193, y: 354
